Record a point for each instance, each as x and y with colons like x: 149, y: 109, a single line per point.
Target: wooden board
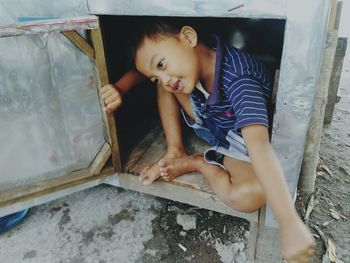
x: 100, y: 159
x: 137, y: 153
x: 158, y: 148
x: 335, y: 78
x: 183, y: 194
x: 38, y: 189
x: 189, y: 188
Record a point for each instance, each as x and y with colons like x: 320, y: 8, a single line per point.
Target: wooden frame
x: 98, y: 169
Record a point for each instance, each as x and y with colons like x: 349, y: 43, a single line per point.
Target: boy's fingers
x: 108, y: 100
x: 105, y: 109
x: 310, y: 251
x: 112, y: 98
x: 108, y: 93
x: 104, y: 94
x: 104, y: 89
x: 109, y: 90
x: 114, y: 101
x: 114, y: 104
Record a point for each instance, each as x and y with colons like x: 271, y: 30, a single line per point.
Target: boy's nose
x: 165, y: 78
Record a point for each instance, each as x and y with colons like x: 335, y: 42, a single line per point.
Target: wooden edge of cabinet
x: 111, y: 128
x: 38, y: 189
x: 80, y: 43
x: 183, y: 194
x: 100, y: 159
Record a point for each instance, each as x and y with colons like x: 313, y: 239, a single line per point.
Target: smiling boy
x: 223, y: 95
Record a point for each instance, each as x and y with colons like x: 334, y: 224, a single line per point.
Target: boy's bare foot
x: 151, y: 173
x: 173, y: 167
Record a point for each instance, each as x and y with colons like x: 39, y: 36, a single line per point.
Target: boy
x: 229, y: 111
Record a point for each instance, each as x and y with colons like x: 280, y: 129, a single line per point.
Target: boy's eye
x: 160, y: 64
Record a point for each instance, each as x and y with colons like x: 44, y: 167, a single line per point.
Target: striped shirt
x: 239, y: 96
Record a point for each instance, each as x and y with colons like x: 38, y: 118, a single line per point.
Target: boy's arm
x: 112, y: 93
x: 128, y: 80
x: 296, y: 240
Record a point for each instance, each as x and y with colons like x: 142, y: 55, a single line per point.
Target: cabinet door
x: 54, y: 134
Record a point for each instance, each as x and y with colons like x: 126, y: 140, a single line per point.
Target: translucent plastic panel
x: 50, y: 116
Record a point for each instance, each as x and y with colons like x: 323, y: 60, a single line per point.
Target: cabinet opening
x: 138, y: 122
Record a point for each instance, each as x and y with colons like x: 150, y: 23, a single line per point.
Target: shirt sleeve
x: 249, y: 104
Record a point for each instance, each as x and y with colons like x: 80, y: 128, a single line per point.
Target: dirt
x: 330, y: 217
x: 183, y: 233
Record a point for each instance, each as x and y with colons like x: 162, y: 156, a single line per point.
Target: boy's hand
x: 111, y: 97
x: 296, y: 242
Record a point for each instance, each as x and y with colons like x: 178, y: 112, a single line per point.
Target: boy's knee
x: 245, y: 200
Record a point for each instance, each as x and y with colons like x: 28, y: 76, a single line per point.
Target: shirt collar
x: 215, y: 96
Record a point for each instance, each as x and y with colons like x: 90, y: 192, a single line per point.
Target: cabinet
x: 50, y: 78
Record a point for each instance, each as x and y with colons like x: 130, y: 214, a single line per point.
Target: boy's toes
x: 164, y: 170
x: 144, y: 171
x: 165, y: 178
x: 147, y: 180
x: 168, y: 177
x: 301, y: 257
x: 142, y: 177
x: 143, y: 174
x: 162, y: 163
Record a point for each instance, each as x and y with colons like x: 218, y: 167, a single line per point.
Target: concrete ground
x: 106, y: 224
x: 109, y: 224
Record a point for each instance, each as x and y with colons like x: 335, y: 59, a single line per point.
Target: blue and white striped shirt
x: 239, y: 96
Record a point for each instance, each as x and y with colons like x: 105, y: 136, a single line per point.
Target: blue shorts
x: 214, y: 155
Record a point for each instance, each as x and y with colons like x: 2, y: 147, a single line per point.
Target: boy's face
x: 170, y: 62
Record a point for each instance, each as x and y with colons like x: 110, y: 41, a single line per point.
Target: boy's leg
x: 237, y: 186
x: 169, y: 111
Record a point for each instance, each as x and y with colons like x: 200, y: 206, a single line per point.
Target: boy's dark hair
x: 154, y: 28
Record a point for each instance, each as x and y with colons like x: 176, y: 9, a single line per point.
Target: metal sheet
x: 221, y: 8
x: 303, y: 46
x: 11, y: 10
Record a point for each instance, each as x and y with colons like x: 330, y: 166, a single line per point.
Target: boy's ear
x: 189, y: 35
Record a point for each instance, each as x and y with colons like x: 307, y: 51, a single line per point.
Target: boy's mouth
x: 176, y: 86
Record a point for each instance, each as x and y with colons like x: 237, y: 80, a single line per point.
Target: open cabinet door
x: 55, y: 138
